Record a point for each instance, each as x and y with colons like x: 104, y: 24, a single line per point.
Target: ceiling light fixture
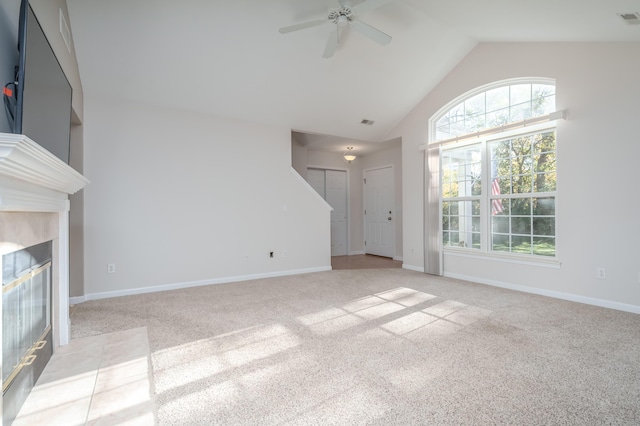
x: 348, y: 155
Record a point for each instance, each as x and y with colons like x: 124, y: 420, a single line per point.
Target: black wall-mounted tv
x: 43, y: 93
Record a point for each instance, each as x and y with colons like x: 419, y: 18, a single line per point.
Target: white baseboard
x: 178, y: 286
x: 355, y: 253
x: 550, y: 293
x: 413, y: 268
x: 76, y: 300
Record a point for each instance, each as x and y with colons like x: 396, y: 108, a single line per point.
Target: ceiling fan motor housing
x: 341, y: 16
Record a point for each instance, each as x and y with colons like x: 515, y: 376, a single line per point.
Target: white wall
x: 298, y: 157
x: 598, y: 152
x: 178, y: 198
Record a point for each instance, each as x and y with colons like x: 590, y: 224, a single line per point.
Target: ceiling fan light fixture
x: 348, y: 155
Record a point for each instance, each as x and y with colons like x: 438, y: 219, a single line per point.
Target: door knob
x: 389, y: 218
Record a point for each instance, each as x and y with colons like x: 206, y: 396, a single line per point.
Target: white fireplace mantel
x: 34, y: 180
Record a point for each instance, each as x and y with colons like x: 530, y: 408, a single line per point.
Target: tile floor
x: 364, y: 261
x: 97, y: 380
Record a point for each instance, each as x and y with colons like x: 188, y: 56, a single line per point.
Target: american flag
x: 496, y: 204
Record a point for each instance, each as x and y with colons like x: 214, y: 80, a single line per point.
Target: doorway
x: 379, y: 228
x: 332, y: 186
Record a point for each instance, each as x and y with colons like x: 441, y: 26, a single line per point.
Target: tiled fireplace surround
x: 34, y: 207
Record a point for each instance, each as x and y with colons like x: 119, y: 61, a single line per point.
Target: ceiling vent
x: 367, y: 122
x: 630, y: 18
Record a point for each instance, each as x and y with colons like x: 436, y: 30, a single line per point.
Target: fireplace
x: 26, y: 323
x: 34, y: 215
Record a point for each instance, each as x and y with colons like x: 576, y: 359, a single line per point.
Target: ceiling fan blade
x: 344, y: 3
x: 302, y: 26
x: 332, y: 44
x: 373, y: 33
x: 368, y: 5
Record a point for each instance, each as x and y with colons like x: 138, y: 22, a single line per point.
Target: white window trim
x: 484, y: 252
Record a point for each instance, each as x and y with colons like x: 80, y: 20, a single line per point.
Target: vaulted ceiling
x: 227, y: 57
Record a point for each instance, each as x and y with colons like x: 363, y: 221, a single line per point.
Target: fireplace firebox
x: 26, y: 323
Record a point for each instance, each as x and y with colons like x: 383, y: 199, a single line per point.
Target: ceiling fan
x: 341, y: 15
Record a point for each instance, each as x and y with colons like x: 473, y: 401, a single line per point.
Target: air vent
x: 367, y: 122
x: 630, y: 18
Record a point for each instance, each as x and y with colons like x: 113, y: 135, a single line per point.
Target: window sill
x: 506, y: 258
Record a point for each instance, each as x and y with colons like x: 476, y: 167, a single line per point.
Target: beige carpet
x: 379, y: 347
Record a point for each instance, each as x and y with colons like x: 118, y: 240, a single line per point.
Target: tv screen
x: 43, y: 108
x: 9, y: 12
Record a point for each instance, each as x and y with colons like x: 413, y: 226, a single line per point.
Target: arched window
x: 497, y: 169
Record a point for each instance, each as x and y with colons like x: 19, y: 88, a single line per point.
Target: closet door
x: 332, y: 186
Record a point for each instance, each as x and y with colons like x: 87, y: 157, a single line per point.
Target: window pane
x: 454, y: 238
x: 520, y: 112
x: 497, y: 98
x: 497, y: 118
x: 521, y: 206
x: 544, y: 142
x: 544, y: 226
x: 475, y: 208
x: 461, y: 228
x: 545, y: 182
x: 521, y: 146
x: 540, y: 90
x: 521, y: 184
x: 500, y: 243
x: 544, y: 206
x: 475, y: 123
x: 521, y: 225
x: 475, y: 105
x: 476, y: 240
x: 499, y: 206
x: 500, y: 224
x: 544, y: 246
x: 520, y: 93
x: 542, y: 106
x: 520, y: 244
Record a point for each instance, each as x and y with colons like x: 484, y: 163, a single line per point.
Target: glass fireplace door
x: 26, y: 323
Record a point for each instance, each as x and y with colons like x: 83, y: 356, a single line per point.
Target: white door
x: 332, y: 186
x: 378, y: 218
x: 336, y: 196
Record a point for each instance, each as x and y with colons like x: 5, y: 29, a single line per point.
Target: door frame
x: 393, y: 203
x: 338, y: 169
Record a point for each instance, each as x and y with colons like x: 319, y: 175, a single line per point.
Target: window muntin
x: 523, y: 186
x: 518, y: 201
x: 496, y: 107
x: 461, y: 194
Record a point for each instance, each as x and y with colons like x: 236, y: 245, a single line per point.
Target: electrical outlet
x: 601, y: 273
x: 111, y: 268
